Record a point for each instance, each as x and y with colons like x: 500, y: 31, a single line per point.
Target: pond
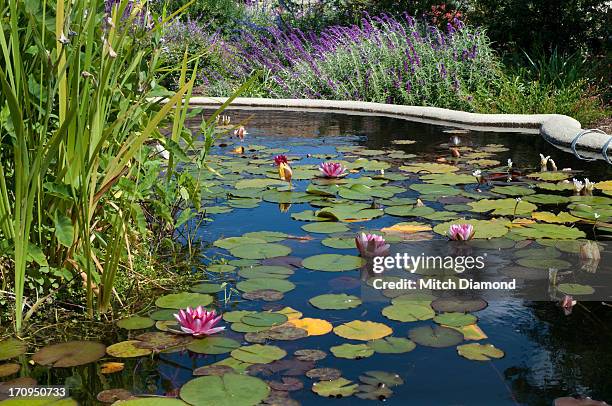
x: 271, y: 276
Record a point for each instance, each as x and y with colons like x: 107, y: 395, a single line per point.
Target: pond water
x: 545, y: 354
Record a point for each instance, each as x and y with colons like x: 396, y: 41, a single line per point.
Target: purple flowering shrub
x: 384, y: 60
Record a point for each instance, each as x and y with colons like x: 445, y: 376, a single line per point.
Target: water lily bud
x: 419, y: 203
x: 553, y: 165
x: 544, y: 162
x: 590, y: 250
x: 455, y: 152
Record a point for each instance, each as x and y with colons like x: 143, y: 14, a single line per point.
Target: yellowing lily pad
x: 363, y: 330
x: 352, y: 351
x: 455, y: 319
x: 479, y: 352
x: 69, y: 354
x: 340, y: 387
x: 407, y: 311
x: 314, y: 327
x: 127, y: 349
x: 548, y: 217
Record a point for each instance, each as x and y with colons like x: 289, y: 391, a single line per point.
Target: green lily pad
x: 460, y: 305
x: 308, y: 215
x: 407, y: 311
x: 70, y: 354
x: 325, y: 228
x: 233, y: 242
x: 551, y: 231
x: 245, y: 328
x: 146, y: 401
x: 286, y: 197
x: 258, y: 354
x: 547, y: 199
x: 207, y: 288
x: 11, y: 348
x: 575, y: 289
x: 381, y: 378
x: 352, y: 351
x: 268, y: 236
x: 260, y: 251
x: 236, y: 315
x: 220, y: 268
x: 362, y: 330
x: 258, y: 183
x: 333, y: 262
x: 513, y: 190
x: 253, y: 284
x: 340, y: 242
x: 550, y: 176
x: 183, y: 300
x: 127, y: 349
x: 335, y: 301
x: 449, y: 179
x: 135, y: 323
x: 479, y: 352
x: 503, y: 207
x: 435, y: 336
x: 409, y: 211
x: 213, y: 345
x: 392, y: 345
x: 264, y: 319
x: 455, y: 319
x: 435, y: 189
x: 544, y: 263
x: 429, y: 168
x: 226, y: 390
x: 482, y: 228
x: 340, y: 387
x: 266, y: 271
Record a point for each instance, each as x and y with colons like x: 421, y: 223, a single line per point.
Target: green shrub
x: 215, y: 15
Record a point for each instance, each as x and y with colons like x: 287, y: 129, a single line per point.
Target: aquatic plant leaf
x: 435, y: 336
x: 233, y: 242
x: 460, y: 305
x: 482, y: 228
x: 206, y: 288
x: 268, y: 236
x: 455, y: 319
x: 435, y: 189
x: 409, y: 211
x: 449, y: 179
x: 220, y: 268
x: 314, y: 327
x: 253, y: 284
x: 266, y: 271
x: 471, y: 332
x: 503, y: 207
x: 408, y: 311
x: 236, y: 315
x: 213, y: 345
x: 340, y: 242
x: 260, y: 251
x: 135, y: 323
x: 9, y: 369
x: 335, y: 301
x: 409, y: 227
x: 363, y: 330
x: 286, y: 196
x: 371, y: 392
x: 325, y: 228
x: 213, y: 370
x: 429, y: 168
x: 268, y: 295
x: 238, y: 366
x: 111, y: 367
x: 264, y: 319
x: 392, y: 345
x: 113, y: 395
x: 149, y: 401
x: 551, y: 231
x: 324, y: 374
x: 310, y: 355
x: 226, y: 390
x: 544, y: 263
x: 550, y: 176
x: 127, y: 349
x: 547, y: 199
x: 333, y: 262
x: 352, y: 351
x: 513, y: 190
x: 183, y: 300
x: 159, y: 341
x: 258, y: 183
x: 340, y: 387
x: 575, y: 289
x: 240, y: 327
x: 548, y: 217
x: 479, y: 352
x: 258, y: 354
x: 69, y: 354
x: 11, y: 348
x: 381, y: 378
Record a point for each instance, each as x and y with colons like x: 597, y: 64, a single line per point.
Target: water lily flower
x: 419, y: 203
x: 553, y: 165
x: 588, y: 187
x: 332, y: 170
x: 510, y: 163
x: 544, y: 162
x: 241, y: 132
x: 198, y: 321
x: 285, y: 172
x: 461, y: 232
x: 478, y: 175
x: 567, y: 304
x: 455, y: 152
x: 371, y: 245
x: 280, y: 159
x: 578, y: 186
x: 590, y: 251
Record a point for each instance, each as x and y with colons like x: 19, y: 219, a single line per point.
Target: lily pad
x: 325, y: 228
x: 479, y: 352
x: 9, y: 369
x: 324, y: 374
x: 264, y: 319
x: 339, y: 242
x: 429, y: 168
x: 335, y: 301
x: 381, y: 378
x: 260, y: 251
x: 127, y: 349
x: 236, y: 315
x: 461, y: 305
x: 392, y: 345
x: 266, y: 271
x: 435, y: 189
x: 226, y: 390
x: 503, y: 207
x: 258, y: 354
x: 70, y: 354
x: 352, y: 351
x: 482, y: 228
x: 136, y: 323
x: 409, y: 211
x: 253, y: 284
x: 575, y: 289
x: 551, y: 231
x: 314, y: 327
x: 183, y: 300
x: 513, y: 190
x: 268, y: 236
x: 340, y: 387
x: 233, y: 242
x: 11, y: 348
x: 408, y: 311
x: 310, y: 355
x: 449, y: 179
x: 213, y: 345
x: 455, y: 319
x: 363, y: 330
x: 333, y: 262
x: 207, y: 288
x: 435, y: 336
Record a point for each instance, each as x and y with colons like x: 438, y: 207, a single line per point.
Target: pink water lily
x: 332, y: 169
x: 280, y: 159
x: 198, y: 321
x: 461, y: 232
x: 567, y: 304
x: 371, y: 245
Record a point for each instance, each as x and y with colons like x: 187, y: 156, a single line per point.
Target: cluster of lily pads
x: 466, y: 194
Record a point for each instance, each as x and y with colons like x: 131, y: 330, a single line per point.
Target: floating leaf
x: 136, y: 323
x: 435, y: 336
x: 352, y: 351
x: 254, y: 284
x: 325, y: 228
x: 461, y: 305
x: 260, y: 251
x: 324, y: 374
x: 288, y: 384
x: 268, y: 236
x: 543, y: 263
x: 213, y: 345
x: 310, y: 355
x: 479, y: 352
x: 551, y: 231
x: 435, y: 189
x: 381, y: 378
x: 547, y: 199
x: 127, y: 349
x: 340, y: 387
x: 548, y: 217
x: 339, y: 242
x: 335, y: 301
x: 550, y: 176
x: 471, y: 332
x: 455, y: 319
x: 69, y: 354
x: 408, y: 311
x: 236, y: 315
x: 159, y: 341
x: 258, y: 354
x: 314, y: 327
x: 362, y: 330
x: 513, y: 190
x: 233, y: 242
x: 406, y: 228
x: 268, y: 295
x: 429, y: 168
x: 220, y: 268
x: 9, y: 369
x: 183, y: 300
x: 482, y: 228
x: 111, y: 367
x: 206, y: 288
x: 503, y: 207
x: 409, y: 211
x: 333, y: 262
x: 266, y: 271
x: 264, y: 319
x: 226, y: 390
x: 449, y: 179
x: 11, y: 348
x: 575, y: 289
x: 392, y: 345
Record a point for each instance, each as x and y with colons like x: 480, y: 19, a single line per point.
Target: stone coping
x: 557, y: 129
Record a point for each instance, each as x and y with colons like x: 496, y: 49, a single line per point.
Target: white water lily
x: 478, y: 175
x: 518, y: 200
x: 544, y: 162
x: 510, y: 163
x: 553, y: 165
x: 588, y: 186
x: 578, y: 186
x: 596, y: 215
